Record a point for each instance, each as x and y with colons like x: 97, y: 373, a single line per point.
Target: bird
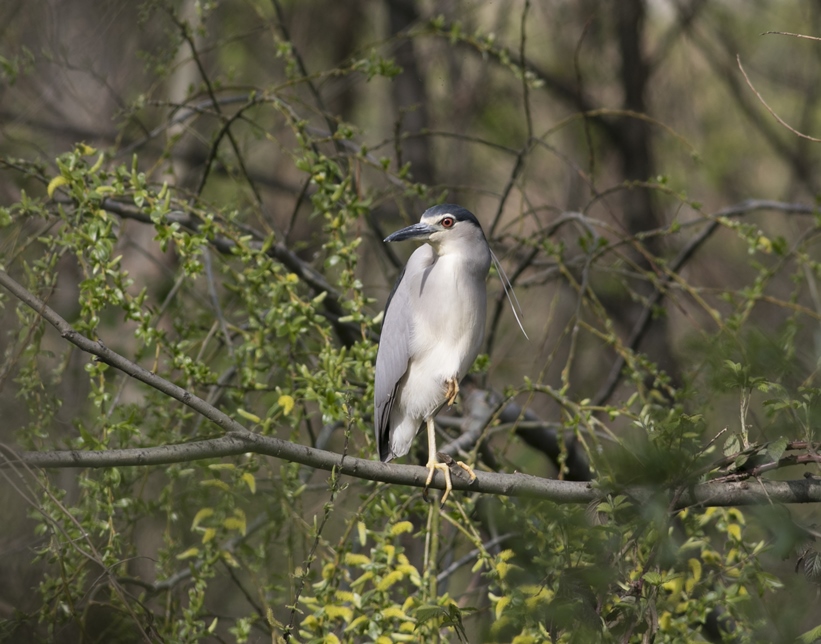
x: 432, y: 331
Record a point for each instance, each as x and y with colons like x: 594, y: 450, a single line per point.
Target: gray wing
x: 393, y: 355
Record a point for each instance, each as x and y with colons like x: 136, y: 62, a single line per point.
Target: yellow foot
x: 443, y: 463
x: 467, y: 469
x: 451, y: 391
x: 432, y: 466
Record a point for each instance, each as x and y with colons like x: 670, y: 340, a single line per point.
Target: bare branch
x: 788, y: 33
x: 731, y: 493
x: 686, y: 253
x: 771, y: 110
x: 243, y: 442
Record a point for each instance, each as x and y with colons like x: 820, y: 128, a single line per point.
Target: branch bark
x: 736, y: 493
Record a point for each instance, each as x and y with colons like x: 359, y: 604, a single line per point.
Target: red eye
x: 448, y: 222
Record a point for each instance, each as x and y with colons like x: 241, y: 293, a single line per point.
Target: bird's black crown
x: 457, y: 212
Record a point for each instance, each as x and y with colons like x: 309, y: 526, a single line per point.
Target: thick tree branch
x: 755, y: 492
x: 236, y: 443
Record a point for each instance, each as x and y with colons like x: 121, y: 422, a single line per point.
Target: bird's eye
x: 448, y: 222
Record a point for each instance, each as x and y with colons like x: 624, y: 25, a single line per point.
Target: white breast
x: 444, y: 342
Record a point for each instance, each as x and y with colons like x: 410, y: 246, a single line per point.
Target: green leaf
x: 428, y: 612
x: 653, y: 578
x: 812, y: 566
x: 776, y: 449
x: 732, y: 445
x: 810, y: 636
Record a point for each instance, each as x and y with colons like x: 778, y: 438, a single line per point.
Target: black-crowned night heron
x: 432, y: 331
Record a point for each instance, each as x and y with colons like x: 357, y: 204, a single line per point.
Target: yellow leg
x: 434, y: 464
x: 451, y: 391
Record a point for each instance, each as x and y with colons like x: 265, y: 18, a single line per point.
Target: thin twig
x: 643, y: 323
x: 771, y: 110
x: 525, y: 88
x: 333, y: 481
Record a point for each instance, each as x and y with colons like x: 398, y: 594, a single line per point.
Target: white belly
x: 444, y: 344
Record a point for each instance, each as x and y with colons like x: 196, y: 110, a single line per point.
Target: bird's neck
x: 464, y: 259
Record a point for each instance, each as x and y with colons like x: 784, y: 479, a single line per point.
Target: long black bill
x: 417, y: 231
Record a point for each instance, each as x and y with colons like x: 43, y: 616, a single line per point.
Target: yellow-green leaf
x: 191, y: 552
x: 541, y: 596
x: 200, y: 516
x: 695, y: 568
x: 235, y: 523
x: 339, y: 611
x: 99, y: 164
x: 502, y: 568
x: 55, y: 183
x: 359, y: 620
x: 250, y: 481
x: 222, y: 485
x: 401, y: 527
x: 344, y: 596
x: 390, y: 579
x: 501, y: 605
x: 228, y: 558
x: 355, y: 559
x: 523, y: 639
x: 247, y: 415
x: 362, y: 579
x: 328, y: 571
x: 407, y: 569
x: 286, y: 402
x: 394, y: 612
x: 674, y: 585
